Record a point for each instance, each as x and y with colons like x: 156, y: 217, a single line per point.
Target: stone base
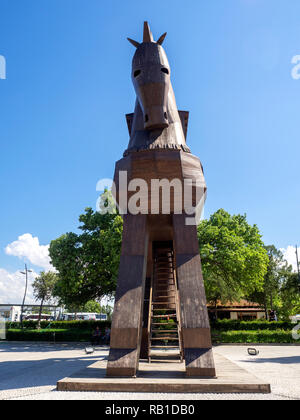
x: 166, y: 377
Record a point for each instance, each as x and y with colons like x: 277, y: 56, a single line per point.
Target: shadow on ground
x: 27, y: 371
x: 43, y: 347
x: 281, y: 360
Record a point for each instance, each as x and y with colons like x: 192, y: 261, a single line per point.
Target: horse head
x: 151, y: 79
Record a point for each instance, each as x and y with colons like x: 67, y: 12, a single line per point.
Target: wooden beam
x: 127, y: 317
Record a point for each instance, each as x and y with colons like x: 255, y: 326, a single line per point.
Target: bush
x: 234, y: 325
x: 79, y: 335
x: 57, y: 335
x: 259, y: 336
x: 78, y: 325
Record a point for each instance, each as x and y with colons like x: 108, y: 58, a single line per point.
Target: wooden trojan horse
x: 160, y: 298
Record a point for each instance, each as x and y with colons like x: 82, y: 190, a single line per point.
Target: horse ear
x: 147, y: 37
x: 161, y: 39
x: 135, y: 43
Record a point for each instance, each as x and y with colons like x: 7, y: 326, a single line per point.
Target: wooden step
x: 165, y: 297
x: 163, y: 276
x: 164, y: 331
x: 163, y: 309
x: 164, y: 264
x: 164, y: 347
x: 163, y: 316
x: 162, y: 303
x: 164, y: 280
x: 164, y: 338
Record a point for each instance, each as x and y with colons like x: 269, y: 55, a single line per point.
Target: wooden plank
x: 166, y: 377
x: 194, y: 317
x: 128, y: 310
x: 199, y: 362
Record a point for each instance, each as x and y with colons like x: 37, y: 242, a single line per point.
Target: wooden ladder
x: 164, y: 327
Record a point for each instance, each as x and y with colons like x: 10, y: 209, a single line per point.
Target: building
x: 242, y: 310
x: 11, y: 313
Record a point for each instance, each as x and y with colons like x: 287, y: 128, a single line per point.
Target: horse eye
x: 136, y: 73
x: 164, y: 70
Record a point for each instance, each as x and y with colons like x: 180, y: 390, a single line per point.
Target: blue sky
x: 68, y: 87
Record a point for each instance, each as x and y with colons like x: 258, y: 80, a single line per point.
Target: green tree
x: 108, y: 310
x: 290, y: 295
x: 43, y: 287
x: 269, y: 295
x: 234, y: 260
x: 88, y: 262
x: 90, y: 306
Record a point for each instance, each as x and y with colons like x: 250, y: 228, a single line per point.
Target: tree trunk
x: 265, y: 307
x: 40, y: 314
x: 216, y: 310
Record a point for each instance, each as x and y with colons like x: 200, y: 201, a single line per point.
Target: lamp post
x: 26, y: 284
x: 298, y: 267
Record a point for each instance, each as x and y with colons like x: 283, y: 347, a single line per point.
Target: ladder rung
x: 155, y: 331
x: 163, y: 316
x: 164, y: 347
x: 166, y: 280
x: 165, y: 263
x: 165, y: 302
x: 163, y: 309
x: 164, y: 272
x: 165, y: 338
x: 164, y: 266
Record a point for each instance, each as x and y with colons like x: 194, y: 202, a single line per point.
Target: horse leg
x: 194, y: 317
x: 125, y: 338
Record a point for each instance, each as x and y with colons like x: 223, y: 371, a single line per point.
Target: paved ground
x: 30, y: 371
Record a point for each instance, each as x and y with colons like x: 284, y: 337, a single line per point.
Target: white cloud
x: 289, y: 254
x: 29, y: 247
x: 12, y: 287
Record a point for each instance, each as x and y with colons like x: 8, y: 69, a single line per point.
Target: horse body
x: 157, y: 151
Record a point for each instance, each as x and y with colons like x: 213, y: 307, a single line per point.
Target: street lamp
x: 26, y: 276
x: 298, y: 267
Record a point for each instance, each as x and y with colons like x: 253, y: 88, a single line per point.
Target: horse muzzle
x: 155, y: 117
